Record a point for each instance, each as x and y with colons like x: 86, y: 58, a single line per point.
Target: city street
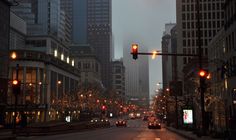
x: 136, y: 130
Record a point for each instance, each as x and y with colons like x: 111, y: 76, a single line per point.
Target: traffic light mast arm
x: 171, y: 54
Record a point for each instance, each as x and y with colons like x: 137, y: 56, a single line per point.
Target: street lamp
x: 59, y: 82
x: 13, y: 55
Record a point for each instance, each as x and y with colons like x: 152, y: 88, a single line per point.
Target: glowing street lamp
x: 58, y: 82
x: 13, y: 55
x: 154, y: 53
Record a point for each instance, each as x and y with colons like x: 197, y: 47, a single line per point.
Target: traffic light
x: 16, y: 87
x: 202, y: 73
x: 135, y: 51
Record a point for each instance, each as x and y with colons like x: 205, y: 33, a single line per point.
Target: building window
x: 184, y: 42
x: 185, y: 60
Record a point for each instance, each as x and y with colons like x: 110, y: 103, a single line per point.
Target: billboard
x: 188, y: 116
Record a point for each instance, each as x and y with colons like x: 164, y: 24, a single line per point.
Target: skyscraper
x: 99, y: 32
x: 76, y: 10
x: 45, y: 17
x: 211, y: 20
x: 167, y: 60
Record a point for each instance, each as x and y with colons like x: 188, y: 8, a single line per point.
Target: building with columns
x: 46, y: 71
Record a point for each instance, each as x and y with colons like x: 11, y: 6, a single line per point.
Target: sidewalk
x: 189, y: 134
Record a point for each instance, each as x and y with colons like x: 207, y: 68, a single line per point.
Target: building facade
x: 167, y: 60
x: 87, y: 63
x: 118, y: 78
x: 44, y: 17
x: 99, y: 33
x: 230, y: 59
x: 218, y: 86
x: 4, y: 54
x: 49, y: 80
x: 211, y: 21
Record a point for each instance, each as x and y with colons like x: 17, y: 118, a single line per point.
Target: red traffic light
x: 135, y: 51
x: 202, y: 73
x: 16, y: 87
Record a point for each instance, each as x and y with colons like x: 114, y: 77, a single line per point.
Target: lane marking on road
x: 157, y: 139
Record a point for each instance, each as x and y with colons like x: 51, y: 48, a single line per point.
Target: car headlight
x: 91, y: 121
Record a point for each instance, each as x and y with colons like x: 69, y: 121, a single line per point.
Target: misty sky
x: 143, y: 20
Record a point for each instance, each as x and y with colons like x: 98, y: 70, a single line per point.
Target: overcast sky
x: 145, y: 20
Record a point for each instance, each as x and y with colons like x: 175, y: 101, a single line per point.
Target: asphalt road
x: 136, y: 130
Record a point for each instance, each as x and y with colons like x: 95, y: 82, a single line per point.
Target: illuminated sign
x: 188, y: 116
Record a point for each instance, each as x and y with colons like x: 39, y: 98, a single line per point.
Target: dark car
x: 105, y: 120
x: 121, y: 123
x: 154, y: 125
x: 145, y: 118
x: 95, y: 120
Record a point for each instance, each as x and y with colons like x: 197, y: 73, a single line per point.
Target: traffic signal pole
x: 201, y: 79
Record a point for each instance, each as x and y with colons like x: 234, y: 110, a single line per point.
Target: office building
x: 99, y: 35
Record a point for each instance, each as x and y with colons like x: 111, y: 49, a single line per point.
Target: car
x: 121, y: 123
x: 105, y: 120
x: 145, y: 118
x: 131, y: 115
x: 138, y: 115
x: 154, y: 125
x: 94, y: 120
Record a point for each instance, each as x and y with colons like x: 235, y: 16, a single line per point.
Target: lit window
x: 62, y: 57
x: 55, y: 53
x: 68, y: 60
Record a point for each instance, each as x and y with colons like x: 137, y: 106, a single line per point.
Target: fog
x: 142, y: 20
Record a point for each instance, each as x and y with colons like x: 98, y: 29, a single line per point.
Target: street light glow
x: 13, y: 55
x: 154, y: 53
x: 15, y: 82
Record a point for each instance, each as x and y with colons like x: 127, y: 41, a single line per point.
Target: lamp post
x: 13, y: 56
x: 15, y: 106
